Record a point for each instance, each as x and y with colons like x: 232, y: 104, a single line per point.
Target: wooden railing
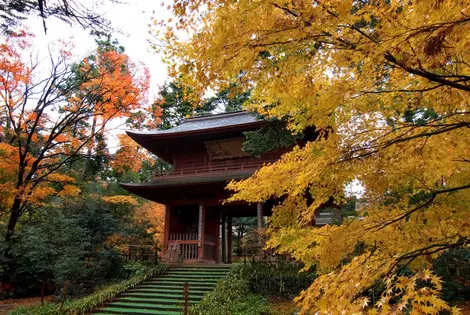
x: 187, y: 245
x: 215, y: 168
x: 142, y: 253
x: 182, y: 237
x: 187, y: 242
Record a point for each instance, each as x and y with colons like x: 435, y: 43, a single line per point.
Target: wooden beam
x: 201, y: 231
x: 166, y: 231
x: 224, y: 241
x: 229, y: 240
x: 217, y: 240
x: 260, y: 214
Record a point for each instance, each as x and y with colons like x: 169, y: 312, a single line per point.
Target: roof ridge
x: 214, y: 116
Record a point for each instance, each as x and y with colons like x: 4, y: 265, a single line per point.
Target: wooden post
x: 259, y: 211
x: 186, y: 297
x: 65, y: 290
x: 166, y: 232
x: 155, y: 258
x: 224, y: 241
x: 217, y: 241
x: 43, y: 287
x: 201, y: 232
x: 229, y: 240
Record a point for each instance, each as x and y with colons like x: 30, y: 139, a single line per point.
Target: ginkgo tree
x: 48, y: 121
x: 387, y: 86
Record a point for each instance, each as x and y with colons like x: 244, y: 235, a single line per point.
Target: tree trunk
x: 12, y: 222
x: 338, y: 216
x: 239, y: 247
x: 242, y: 234
x: 91, y: 145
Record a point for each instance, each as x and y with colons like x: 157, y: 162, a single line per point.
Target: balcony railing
x: 214, y: 168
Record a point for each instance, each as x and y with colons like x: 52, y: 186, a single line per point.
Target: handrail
x: 216, y: 168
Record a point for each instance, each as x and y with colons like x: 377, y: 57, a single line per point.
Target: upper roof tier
x: 195, y: 130
x: 202, y: 123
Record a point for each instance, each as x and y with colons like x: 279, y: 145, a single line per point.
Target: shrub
x: 454, y: 268
x: 281, y: 279
x: 232, y: 296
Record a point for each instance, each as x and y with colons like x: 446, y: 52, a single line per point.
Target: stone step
x: 163, y: 295
x: 126, y: 311
x: 177, y: 285
x: 191, y: 276
x: 159, y: 299
x: 173, y: 295
x: 195, y: 274
x: 182, y: 280
x: 193, y: 291
x: 147, y: 306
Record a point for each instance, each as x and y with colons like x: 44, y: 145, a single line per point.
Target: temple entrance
x: 191, y: 234
x: 200, y: 233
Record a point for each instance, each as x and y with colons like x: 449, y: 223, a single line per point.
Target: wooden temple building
x: 206, y: 153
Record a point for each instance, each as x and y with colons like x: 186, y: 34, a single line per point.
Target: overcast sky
x: 131, y: 23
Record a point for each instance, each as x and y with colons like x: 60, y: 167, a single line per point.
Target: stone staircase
x: 163, y: 295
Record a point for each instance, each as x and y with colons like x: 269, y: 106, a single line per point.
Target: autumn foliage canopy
x: 386, y: 84
x: 48, y: 122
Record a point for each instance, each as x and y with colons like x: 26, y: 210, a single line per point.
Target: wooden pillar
x: 217, y: 241
x: 224, y: 241
x: 229, y: 240
x: 201, y: 231
x: 166, y: 231
x: 259, y: 210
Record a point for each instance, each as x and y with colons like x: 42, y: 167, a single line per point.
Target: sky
x: 130, y: 22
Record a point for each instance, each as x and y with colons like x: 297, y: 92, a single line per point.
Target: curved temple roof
x: 206, y: 122
x: 164, y: 143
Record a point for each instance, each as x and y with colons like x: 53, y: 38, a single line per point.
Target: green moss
x: 90, y: 302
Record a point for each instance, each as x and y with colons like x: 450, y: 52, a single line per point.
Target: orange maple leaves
x: 45, y: 121
x: 130, y: 156
x: 119, y: 90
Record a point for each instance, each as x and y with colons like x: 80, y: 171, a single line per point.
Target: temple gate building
x: 206, y: 153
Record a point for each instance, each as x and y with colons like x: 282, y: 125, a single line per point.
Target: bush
x: 241, y: 293
x: 68, y: 239
x: 232, y: 296
x: 454, y: 268
x: 280, y: 279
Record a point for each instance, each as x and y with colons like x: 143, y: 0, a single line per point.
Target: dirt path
x: 9, y: 304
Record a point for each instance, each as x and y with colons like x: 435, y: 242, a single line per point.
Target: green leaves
x: 232, y: 296
x: 273, y: 135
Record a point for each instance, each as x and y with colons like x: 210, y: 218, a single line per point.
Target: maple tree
x: 155, y: 214
x: 45, y: 120
x: 130, y: 156
x: 386, y: 85
x: 116, y: 88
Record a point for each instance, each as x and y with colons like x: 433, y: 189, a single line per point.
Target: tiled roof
x: 209, y: 122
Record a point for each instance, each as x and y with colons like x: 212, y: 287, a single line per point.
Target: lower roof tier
x: 190, y: 189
